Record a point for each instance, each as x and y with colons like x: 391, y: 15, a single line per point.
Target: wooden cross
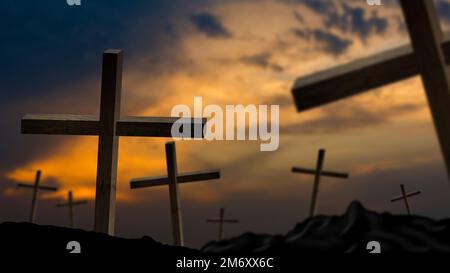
x: 108, y: 127
x: 36, y: 187
x: 318, y: 173
x: 221, y: 221
x: 428, y: 56
x: 70, y: 203
x: 404, y: 197
x: 172, y: 179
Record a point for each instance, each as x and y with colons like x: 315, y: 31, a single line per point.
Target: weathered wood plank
x: 196, y: 176
x: 324, y: 173
x: 177, y: 224
x: 153, y: 126
x: 63, y: 124
x: 358, y: 76
x: 424, y: 28
x: 105, y: 195
x: 49, y: 124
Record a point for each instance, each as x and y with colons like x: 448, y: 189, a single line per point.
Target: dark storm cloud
x: 443, y: 8
x: 326, y: 41
x: 46, y: 44
x: 262, y: 60
x: 353, y: 19
x: 338, y: 120
x: 210, y: 25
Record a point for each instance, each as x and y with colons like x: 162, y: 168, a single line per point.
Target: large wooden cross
x: 221, y: 220
x: 428, y: 56
x: 36, y: 187
x: 108, y: 127
x: 70, y: 203
x: 404, y: 197
x: 172, y: 179
x: 318, y: 173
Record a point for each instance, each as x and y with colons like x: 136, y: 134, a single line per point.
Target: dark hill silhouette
x: 348, y: 233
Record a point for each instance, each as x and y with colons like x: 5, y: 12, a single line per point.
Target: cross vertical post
x: 221, y: 218
x: 426, y: 36
x: 405, y: 198
x: 319, y: 166
x: 105, y: 204
x: 34, y: 198
x: 171, y: 161
x: 71, y: 218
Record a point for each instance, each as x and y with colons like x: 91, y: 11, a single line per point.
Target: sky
x: 228, y: 52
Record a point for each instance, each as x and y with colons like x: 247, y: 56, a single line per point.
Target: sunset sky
x: 228, y: 52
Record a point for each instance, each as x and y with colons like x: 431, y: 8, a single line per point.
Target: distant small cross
x: 70, y: 203
x: 221, y: 220
x: 108, y: 127
x: 36, y: 187
x: 404, y: 197
x: 172, y: 179
x: 318, y: 173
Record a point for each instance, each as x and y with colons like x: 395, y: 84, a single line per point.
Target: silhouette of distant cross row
x: 428, y: 55
x: 108, y: 127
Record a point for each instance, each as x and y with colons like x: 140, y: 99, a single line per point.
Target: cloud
x: 339, y: 119
x: 326, y: 41
x: 210, y: 25
x: 353, y: 19
x: 443, y: 8
x: 262, y: 60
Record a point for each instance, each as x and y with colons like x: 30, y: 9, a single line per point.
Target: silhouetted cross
x: 404, y: 197
x: 221, y: 220
x: 70, y: 203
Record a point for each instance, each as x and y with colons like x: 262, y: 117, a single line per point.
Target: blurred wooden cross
x: 36, y: 187
x: 172, y: 179
x: 404, y: 197
x: 70, y: 203
x: 221, y: 220
x: 108, y: 127
x: 318, y: 173
x: 428, y: 56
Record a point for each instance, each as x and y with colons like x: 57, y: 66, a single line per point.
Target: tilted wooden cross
x: 221, y: 220
x: 318, y: 173
x: 108, y: 127
x: 404, y: 197
x: 70, y: 203
x: 172, y: 179
x: 428, y: 56
x: 36, y: 187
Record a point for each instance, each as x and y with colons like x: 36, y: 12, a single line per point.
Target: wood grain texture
x: 67, y: 124
x: 105, y: 195
x: 424, y: 28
